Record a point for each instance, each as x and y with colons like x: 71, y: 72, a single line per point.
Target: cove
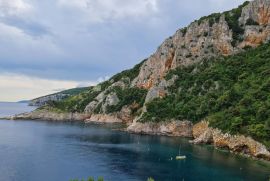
x: 39, y: 151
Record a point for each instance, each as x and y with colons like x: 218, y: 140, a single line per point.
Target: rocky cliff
x: 219, y: 34
x: 236, y: 143
x: 216, y: 68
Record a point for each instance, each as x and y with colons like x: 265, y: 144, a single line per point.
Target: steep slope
x: 232, y: 93
x: 216, y: 69
x: 44, y: 100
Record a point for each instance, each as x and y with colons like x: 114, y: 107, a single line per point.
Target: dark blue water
x: 45, y: 151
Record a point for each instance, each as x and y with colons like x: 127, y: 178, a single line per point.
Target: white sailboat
x: 180, y: 157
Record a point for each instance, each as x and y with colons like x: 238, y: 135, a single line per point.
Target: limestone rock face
x: 199, y: 41
x: 106, y: 98
x: 203, y: 40
x: 111, y: 100
x: 258, y: 10
x: 171, y: 128
x: 103, y: 118
x: 124, y: 116
x: 236, y: 143
x: 91, y: 106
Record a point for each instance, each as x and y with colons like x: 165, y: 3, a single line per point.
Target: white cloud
x: 14, y: 7
x: 102, y: 10
x: 14, y: 87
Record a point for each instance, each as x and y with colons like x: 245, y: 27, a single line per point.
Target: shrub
x: 251, y: 22
x: 128, y: 96
x: 240, y: 103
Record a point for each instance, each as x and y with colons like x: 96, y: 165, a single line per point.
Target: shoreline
x: 199, y: 134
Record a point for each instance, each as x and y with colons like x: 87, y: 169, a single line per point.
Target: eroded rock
x: 202, y: 133
x: 171, y: 128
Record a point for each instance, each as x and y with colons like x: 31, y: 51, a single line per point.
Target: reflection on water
x: 37, y: 151
x: 41, y: 151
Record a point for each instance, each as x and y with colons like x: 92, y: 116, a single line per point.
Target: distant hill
x: 44, y: 100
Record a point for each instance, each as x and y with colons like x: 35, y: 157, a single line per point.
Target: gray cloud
x: 85, y: 40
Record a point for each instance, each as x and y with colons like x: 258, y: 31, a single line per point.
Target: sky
x: 51, y: 45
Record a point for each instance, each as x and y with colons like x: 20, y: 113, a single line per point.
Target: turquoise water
x: 42, y: 151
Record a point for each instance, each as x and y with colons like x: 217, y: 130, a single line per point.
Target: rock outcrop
x: 169, y: 128
x: 236, y: 143
x: 50, y: 116
x: 103, y: 118
x: 204, y: 39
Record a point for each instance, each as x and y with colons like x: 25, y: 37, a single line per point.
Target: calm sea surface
x: 44, y: 151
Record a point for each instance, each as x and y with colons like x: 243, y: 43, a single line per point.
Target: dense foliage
x: 233, y: 93
x: 232, y: 18
x: 130, y: 96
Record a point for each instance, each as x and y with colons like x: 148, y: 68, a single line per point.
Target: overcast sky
x: 49, y: 45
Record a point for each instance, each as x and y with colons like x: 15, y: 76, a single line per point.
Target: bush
x: 233, y: 93
x: 251, y: 22
x: 129, y: 96
x: 232, y: 18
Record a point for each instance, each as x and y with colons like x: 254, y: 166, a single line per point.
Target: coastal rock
x: 103, y: 118
x: 171, y: 128
x: 236, y: 143
x: 50, y: 116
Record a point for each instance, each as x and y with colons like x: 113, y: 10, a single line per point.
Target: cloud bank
x: 83, y: 40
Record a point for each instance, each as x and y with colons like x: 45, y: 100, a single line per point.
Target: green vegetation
x: 69, y: 92
x: 251, y: 22
x: 130, y: 96
x: 131, y: 73
x: 232, y: 18
x: 213, y: 18
x: 83, y: 96
x: 184, y: 31
x: 233, y: 93
x: 75, y: 103
x: 75, y: 91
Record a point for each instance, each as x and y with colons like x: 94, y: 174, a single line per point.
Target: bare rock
x: 172, y: 128
x: 202, y: 133
x: 103, y: 118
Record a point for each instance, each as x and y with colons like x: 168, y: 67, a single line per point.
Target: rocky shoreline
x: 49, y: 116
x: 200, y: 132
x: 203, y: 134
